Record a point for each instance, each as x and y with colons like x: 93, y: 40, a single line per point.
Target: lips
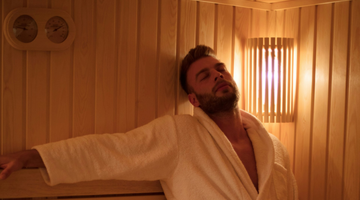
x: 221, y: 85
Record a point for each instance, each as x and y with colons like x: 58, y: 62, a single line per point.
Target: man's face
x: 212, y: 87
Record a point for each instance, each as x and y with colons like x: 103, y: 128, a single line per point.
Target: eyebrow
x: 207, y: 69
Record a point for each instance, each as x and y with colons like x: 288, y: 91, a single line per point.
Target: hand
x: 16, y: 161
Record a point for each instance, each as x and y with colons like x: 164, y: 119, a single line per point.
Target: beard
x: 212, y: 104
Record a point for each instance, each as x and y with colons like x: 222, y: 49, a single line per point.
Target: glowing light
x: 270, y: 78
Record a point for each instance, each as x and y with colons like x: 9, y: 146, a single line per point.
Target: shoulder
x: 281, y: 154
x: 172, y: 121
x: 185, y: 118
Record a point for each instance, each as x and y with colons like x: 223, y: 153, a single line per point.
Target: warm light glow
x: 270, y: 78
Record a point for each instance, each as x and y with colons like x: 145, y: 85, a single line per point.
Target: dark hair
x: 194, y: 54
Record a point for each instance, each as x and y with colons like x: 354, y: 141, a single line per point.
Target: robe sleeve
x: 292, y: 186
x: 149, y: 152
x: 282, y: 158
x: 291, y: 182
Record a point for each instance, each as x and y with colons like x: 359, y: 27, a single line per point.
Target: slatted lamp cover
x: 269, y: 79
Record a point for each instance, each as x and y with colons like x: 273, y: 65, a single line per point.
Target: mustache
x: 221, y: 82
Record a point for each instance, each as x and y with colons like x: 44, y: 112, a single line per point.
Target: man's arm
x: 149, y: 152
x: 16, y: 161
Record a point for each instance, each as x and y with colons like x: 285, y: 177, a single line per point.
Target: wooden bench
x: 28, y: 183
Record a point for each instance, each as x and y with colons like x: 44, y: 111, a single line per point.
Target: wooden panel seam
x: 312, y: 109
x: 158, y: 51
x: 346, y: 99
x: 233, y: 42
x: 296, y: 87
x: 1, y: 79
x: 177, y: 59
x: 331, y: 66
x: 138, y: 29
x: 197, y: 33
x: 96, y: 81
x: 116, y: 69
x: 216, y: 27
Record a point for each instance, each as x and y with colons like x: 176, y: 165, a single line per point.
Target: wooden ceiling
x: 271, y: 1
x: 271, y: 4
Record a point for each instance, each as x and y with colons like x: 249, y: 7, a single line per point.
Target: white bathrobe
x: 190, y: 156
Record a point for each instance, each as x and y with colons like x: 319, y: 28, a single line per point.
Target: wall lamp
x: 269, y: 79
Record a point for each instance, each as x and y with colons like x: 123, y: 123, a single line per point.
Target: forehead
x: 205, y: 62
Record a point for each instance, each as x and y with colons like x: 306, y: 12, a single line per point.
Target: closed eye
x: 220, y: 67
x: 204, y: 76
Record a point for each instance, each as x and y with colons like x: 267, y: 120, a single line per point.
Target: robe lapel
x: 228, y: 150
x: 264, y: 152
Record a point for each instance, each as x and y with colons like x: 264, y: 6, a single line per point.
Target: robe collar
x: 263, y: 149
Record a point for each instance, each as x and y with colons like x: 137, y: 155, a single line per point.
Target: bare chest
x: 246, y: 154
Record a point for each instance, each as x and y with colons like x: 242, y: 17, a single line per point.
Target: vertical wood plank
x: 272, y: 70
x: 186, y: 40
x: 127, y: 20
x: 260, y: 81
x: 2, y: 17
x: 38, y: 69
x: 167, y: 59
x: 242, y: 33
x: 224, y: 35
x: 291, y: 30
x: 266, y: 105
x: 13, y: 91
x: 106, y: 69
x: 334, y: 183
x: 253, y: 73
x: 259, y: 23
x: 321, y: 99
x: 247, y: 75
x: 287, y: 136
x: 352, y: 147
x: 279, y: 43
x: 291, y: 23
x: 286, y: 54
x: 291, y: 79
x: 271, y: 23
x: 84, y: 68
x: 206, y: 24
x: 303, y: 123
x: 61, y: 86
x: 148, y: 70
x: 273, y: 128
x: 279, y: 31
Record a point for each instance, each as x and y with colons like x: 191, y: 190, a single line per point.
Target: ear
x: 193, y: 100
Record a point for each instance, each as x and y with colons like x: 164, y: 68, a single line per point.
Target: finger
x: 5, y: 173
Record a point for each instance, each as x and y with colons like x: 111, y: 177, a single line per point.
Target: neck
x: 230, y: 123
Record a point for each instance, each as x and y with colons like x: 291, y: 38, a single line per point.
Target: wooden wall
x: 118, y: 74
x: 121, y: 72
x: 323, y: 142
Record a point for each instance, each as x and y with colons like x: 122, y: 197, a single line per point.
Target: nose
x: 218, y: 75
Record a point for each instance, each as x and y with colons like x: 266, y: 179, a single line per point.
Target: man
x: 219, y: 153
